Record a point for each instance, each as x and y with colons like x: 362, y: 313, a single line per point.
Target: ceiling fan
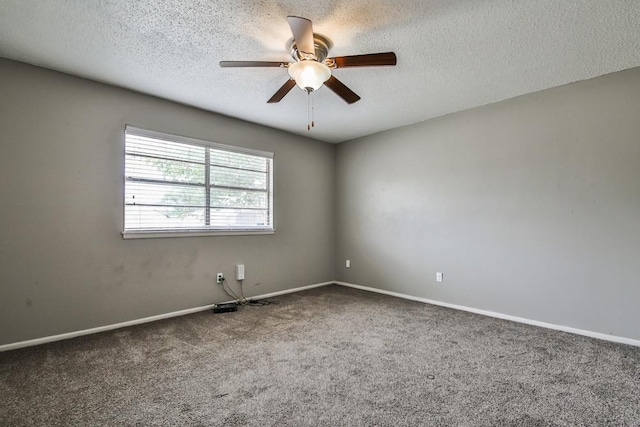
x: 312, y: 68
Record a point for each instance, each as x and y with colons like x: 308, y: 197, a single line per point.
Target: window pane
x: 165, y: 149
x: 163, y: 169
x: 238, y: 178
x: 137, y: 193
x: 156, y: 217
x: 238, y: 160
x: 225, y: 198
x: 239, y: 218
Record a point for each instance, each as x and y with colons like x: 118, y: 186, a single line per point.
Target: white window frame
x: 206, y: 231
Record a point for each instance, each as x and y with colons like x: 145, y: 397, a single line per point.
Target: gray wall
x: 63, y: 263
x: 530, y: 207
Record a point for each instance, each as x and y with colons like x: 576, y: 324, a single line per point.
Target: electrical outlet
x: 439, y: 277
x: 348, y: 263
x: 219, y: 278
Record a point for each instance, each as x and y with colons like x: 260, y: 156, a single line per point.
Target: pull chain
x: 308, y: 110
x: 310, y: 122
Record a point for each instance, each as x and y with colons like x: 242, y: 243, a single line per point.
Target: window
x: 185, y: 186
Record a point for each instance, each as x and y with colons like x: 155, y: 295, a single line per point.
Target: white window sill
x: 195, y: 233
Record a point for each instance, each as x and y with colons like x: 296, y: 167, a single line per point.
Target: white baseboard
x: 68, y: 335
x: 291, y: 291
x: 586, y: 333
x: 60, y: 337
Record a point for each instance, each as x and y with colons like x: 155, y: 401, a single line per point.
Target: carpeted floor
x: 331, y: 356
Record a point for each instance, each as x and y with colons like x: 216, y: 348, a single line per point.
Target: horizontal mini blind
x: 180, y: 184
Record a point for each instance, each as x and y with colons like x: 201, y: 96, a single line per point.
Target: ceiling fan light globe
x: 309, y: 75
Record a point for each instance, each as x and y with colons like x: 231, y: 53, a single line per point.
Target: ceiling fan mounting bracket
x: 321, y: 43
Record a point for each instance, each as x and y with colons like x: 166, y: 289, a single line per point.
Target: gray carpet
x: 331, y: 356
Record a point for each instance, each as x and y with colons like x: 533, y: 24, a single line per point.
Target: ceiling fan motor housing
x: 321, y: 43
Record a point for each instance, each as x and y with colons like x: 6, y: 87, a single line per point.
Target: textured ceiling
x: 452, y: 54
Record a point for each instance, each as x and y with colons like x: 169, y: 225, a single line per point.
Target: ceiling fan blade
x: 226, y: 64
x: 370, y: 60
x: 277, y: 97
x: 302, y: 30
x: 341, y: 90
